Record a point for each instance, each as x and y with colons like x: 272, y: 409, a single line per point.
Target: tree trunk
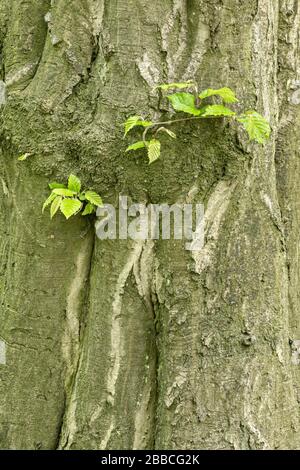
x: 121, y: 344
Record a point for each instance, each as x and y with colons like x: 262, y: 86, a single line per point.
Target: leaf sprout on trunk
x: 71, y: 200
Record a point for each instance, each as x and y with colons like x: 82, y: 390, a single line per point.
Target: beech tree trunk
x: 121, y: 344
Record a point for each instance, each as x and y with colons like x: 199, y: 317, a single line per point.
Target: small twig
x: 145, y: 133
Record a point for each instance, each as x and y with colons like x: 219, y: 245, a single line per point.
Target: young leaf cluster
x: 70, y: 200
x: 194, y: 105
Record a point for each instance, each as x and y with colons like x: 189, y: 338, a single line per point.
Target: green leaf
x: 94, y: 198
x: 55, y: 206
x: 225, y: 93
x: 74, y: 183
x: 64, y: 192
x: 70, y: 207
x: 55, y: 185
x: 133, y: 121
x: 89, y: 209
x: 137, y: 145
x: 256, y: 125
x: 24, y: 157
x: 153, y: 150
x: 216, y: 110
x: 184, y: 102
x: 167, y: 131
x: 48, y: 201
x: 168, y: 86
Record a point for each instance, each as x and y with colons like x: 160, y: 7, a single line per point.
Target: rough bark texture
x: 133, y: 345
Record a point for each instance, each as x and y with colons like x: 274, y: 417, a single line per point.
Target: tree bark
x: 122, y: 344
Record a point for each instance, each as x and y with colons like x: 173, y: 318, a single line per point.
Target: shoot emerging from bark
x: 71, y: 200
x: 194, y: 104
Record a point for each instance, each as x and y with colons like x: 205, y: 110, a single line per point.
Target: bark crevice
x: 76, y: 318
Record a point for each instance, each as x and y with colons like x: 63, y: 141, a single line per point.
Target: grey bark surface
x: 144, y: 345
